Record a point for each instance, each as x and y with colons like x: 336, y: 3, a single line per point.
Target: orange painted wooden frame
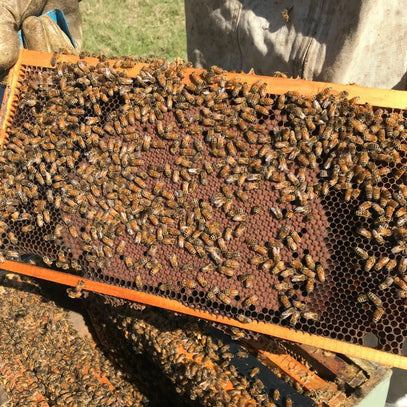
x: 375, y: 97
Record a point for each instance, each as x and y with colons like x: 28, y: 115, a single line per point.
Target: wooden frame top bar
x: 374, y: 96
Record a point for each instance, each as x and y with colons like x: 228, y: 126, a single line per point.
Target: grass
x: 145, y: 28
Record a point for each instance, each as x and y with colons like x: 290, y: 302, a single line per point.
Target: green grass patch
x: 145, y: 28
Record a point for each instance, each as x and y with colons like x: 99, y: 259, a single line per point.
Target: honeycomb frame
x: 287, y: 239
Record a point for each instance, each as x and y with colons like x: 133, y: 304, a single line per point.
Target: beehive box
x: 230, y: 197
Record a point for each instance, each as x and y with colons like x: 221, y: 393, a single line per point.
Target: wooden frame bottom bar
x: 329, y: 344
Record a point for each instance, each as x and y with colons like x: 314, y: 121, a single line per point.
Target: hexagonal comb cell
x: 284, y: 209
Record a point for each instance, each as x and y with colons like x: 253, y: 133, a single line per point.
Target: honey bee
x: 299, y: 278
x: 374, y: 299
x: 365, y: 233
x: 254, y: 372
x: 308, y: 272
x: 228, y: 234
x: 214, y: 254
x: 247, y: 280
x: 291, y: 243
x: 47, y: 260
x: 381, y: 263
x: 156, y: 267
x: 152, y: 250
x: 262, y: 250
x: 14, y: 216
x: 261, y: 110
x: 190, y: 248
x: 61, y: 256
x: 57, y: 202
x: 73, y: 231
x: 173, y: 260
x: 320, y: 272
x: 361, y: 253
x: 224, y: 298
x: 226, y: 271
x: 277, y: 269
x: 276, y: 395
x: 377, y: 314
x: 370, y: 262
x: 389, y: 210
x: 256, y: 209
x: 108, y: 252
x: 401, y: 212
x: 283, y: 232
x: 202, y: 282
x: 398, y: 249
x: 128, y: 260
x: 190, y: 284
x: 208, y: 268
x: 362, y: 298
x: 401, y: 221
x: 76, y: 265
x: 40, y: 220
x: 310, y: 285
x: 231, y: 293
x: 284, y: 301
x: 138, y: 281
x: 402, y: 265
x: 76, y: 292
x: 249, y: 301
x: 256, y: 260
x: 284, y: 286
x: 363, y: 213
x: 311, y: 315
x: 200, y: 251
x: 377, y: 208
x: 242, y: 195
x: 365, y: 206
x: 376, y: 193
x: 288, y: 312
x: 386, y: 283
x: 27, y: 228
x: 287, y: 198
x: 244, y: 319
x: 109, y: 242
x: 276, y: 211
x: 239, y: 231
x: 400, y: 282
x: 402, y: 293
x: 197, y: 80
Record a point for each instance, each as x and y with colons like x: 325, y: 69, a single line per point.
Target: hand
x: 40, y: 33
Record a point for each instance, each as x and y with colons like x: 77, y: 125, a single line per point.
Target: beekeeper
x: 342, y: 41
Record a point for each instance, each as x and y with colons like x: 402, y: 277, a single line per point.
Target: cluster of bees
x: 43, y: 360
x: 202, y: 370
x: 105, y: 164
